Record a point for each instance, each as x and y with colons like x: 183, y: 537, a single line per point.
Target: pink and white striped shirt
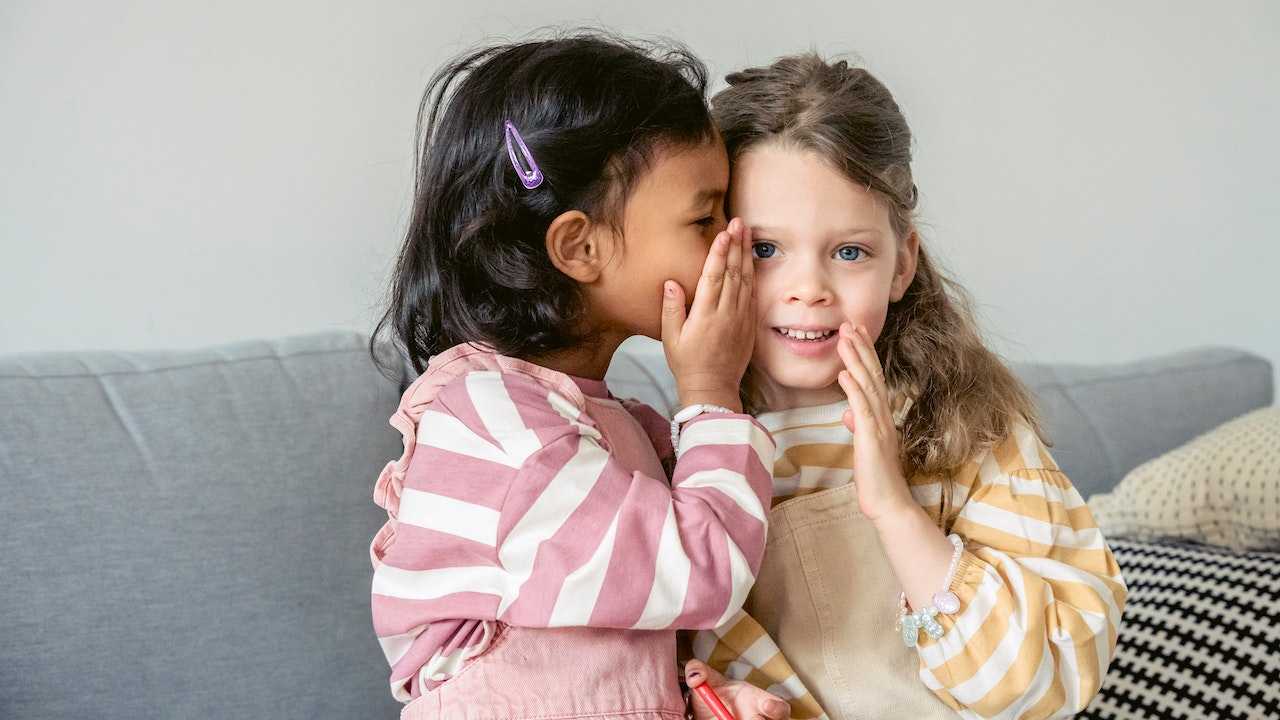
x: 530, y: 498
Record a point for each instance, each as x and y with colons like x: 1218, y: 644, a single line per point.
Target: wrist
x: 708, y: 390
x: 688, y: 413
x: 731, y: 402
x: 897, y: 514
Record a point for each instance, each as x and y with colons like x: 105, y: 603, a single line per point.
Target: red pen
x: 714, y: 702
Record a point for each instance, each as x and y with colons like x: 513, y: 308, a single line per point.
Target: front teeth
x: 806, y: 334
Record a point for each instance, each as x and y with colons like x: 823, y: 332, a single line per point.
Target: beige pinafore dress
x: 828, y: 596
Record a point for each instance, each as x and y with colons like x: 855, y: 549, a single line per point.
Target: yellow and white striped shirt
x: 1041, y: 594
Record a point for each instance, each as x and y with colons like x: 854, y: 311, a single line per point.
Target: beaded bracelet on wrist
x: 944, y: 601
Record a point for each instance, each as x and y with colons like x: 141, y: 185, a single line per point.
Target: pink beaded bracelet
x: 944, y: 601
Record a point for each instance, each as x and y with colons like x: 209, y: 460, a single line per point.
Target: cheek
x: 867, y: 307
x: 685, y: 264
x: 766, y: 292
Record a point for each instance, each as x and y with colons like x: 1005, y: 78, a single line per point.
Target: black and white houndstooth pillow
x: 1200, y: 636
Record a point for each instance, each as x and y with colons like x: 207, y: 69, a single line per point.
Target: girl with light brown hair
x: 927, y: 557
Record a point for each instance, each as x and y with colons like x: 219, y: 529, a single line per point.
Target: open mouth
x: 810, y: 336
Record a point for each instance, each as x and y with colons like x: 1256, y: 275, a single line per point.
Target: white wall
x: 1104, y: 178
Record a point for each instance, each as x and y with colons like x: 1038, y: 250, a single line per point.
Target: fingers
x: 774, y: 708
x: 729, y: 290
x: 744, y: 700
x: 673, y: 314
x: 863, y: 416
x: 866, y: 349
x: 697, y: 672
x: 770, y: 707
x: 747, y: 286
x: 707, y: 296
x: 853, y: 365
x: 860, y: 362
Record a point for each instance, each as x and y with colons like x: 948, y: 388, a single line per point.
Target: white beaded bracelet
x: 944, y: 601
x: 686, y: 414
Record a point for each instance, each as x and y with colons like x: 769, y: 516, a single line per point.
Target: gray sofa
x: 185, y: 534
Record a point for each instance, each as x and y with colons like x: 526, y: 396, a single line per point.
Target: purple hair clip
x: 532, y: 177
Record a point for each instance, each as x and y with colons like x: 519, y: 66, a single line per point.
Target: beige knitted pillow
x: 1222, y: 488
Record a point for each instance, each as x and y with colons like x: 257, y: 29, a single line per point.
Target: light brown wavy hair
x: 964, y: 399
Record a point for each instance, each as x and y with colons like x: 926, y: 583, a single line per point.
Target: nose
x: 809, y: 286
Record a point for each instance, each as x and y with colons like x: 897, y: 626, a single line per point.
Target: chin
x: 808, y: 382
x: 801, y: 376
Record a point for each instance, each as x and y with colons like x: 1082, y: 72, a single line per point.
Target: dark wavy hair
x: 473, y: 266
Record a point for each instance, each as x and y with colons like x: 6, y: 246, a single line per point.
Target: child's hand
x: 708, y: 352
x: 744, y: 700
x: 877, y: 469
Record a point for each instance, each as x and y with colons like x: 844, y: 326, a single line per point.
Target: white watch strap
x: 687, y: 413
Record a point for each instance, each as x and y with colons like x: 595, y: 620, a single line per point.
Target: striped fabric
x: 1041, y: 593
x: 509, y: 505
x: 743, y: 650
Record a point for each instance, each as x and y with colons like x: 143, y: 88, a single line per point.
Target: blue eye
x: 849, y: 252
x: 763, y: 250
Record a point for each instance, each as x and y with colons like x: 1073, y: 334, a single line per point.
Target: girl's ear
x: 905, y: 267
x: 577, y: 247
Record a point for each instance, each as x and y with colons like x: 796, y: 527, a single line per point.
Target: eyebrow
x: 769, y: 230
x: 854, y: 232
x: 704, y: 196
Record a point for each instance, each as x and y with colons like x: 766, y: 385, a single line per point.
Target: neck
x: 589, y: 360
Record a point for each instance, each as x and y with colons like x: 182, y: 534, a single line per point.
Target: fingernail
x: 775, y: 706
x: 668, y: 289
x: 694, y: 676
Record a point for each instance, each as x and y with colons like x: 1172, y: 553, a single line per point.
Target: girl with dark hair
x: 537, y: 561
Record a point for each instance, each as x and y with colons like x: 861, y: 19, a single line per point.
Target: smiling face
x: 825, y: 254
